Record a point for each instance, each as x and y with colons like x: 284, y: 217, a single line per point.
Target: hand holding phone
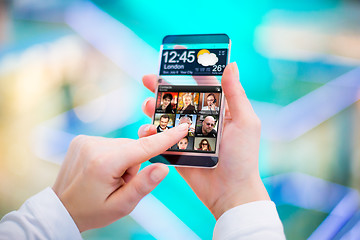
x: 236, y: 179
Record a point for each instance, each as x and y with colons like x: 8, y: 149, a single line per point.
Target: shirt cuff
x: 50, y: 211
x: 254, y: 220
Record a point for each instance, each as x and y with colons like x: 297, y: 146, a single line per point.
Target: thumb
x: 125, y: 199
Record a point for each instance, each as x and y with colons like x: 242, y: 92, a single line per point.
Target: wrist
x: 70, y: 208
x: 246, y: 191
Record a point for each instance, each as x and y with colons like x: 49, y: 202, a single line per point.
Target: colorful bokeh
x: 75, y: 67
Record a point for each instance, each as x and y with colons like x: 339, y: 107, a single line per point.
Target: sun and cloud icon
x: 205, y: 58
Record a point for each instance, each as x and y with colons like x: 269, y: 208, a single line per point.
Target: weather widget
x: 193, y: 61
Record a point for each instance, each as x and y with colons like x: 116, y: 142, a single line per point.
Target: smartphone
x: 189, y: 90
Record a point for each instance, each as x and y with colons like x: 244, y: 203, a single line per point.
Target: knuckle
x: 92, y: 160
x: 87, y: 144
x: 78, y: 140
x: 145, y: 145
x: 257, y: 122
x: 95, y: 164
x: 140, y: 191
x: 252, y: 122
x: 76, y: 147
x: 83, y: 142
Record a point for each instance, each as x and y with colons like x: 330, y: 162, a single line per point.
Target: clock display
x: 193, y: 62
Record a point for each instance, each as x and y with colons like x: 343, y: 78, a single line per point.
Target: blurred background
x: 75, y: 67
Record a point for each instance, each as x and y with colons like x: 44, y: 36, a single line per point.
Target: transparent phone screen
x: 189, y: 91
x: 193, y: 64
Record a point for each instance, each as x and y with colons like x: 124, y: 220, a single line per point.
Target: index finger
x: 145, y: 148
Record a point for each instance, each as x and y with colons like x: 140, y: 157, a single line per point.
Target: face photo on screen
x: 188, y: 102
x: 209, y: 103
x: 164, y: 121
x: 202, y: 125
x: 206, y: 126
x: 204, y: 144
x: 185, y: 144
x: 166, y: 102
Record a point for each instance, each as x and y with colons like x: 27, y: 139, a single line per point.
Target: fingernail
x: 234, y: 66
x: 144, y: 103
x: 183, y: 126
x: 158, y: 174
x: 147, y: 128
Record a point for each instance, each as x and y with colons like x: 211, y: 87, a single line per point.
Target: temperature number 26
x: 218, y: 68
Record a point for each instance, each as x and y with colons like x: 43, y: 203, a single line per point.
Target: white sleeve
x: 250, y: 221
x: 42, y: 216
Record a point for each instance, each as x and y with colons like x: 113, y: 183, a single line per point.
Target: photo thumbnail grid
x: 198, y: 106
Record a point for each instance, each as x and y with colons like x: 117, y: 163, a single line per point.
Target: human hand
x: 236, y: 179
x: 98, y: 181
